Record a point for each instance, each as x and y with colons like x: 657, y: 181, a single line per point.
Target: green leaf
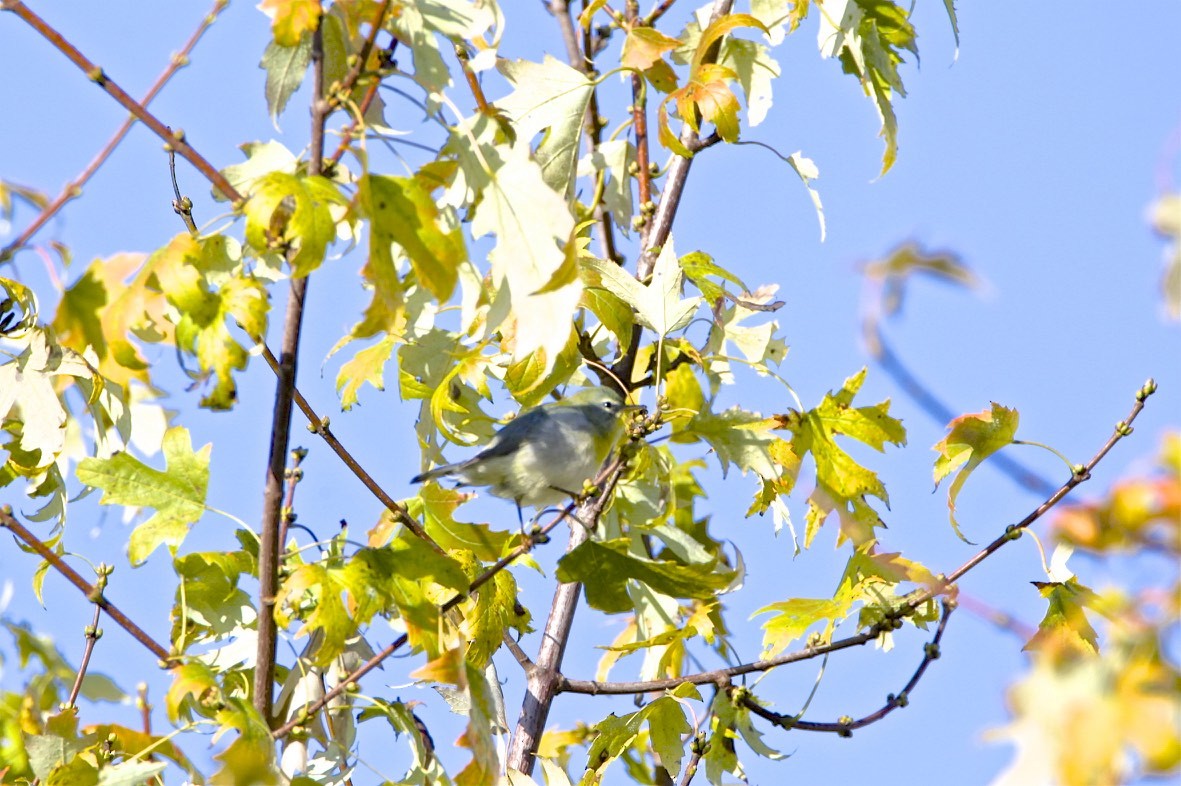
x: 738, y: 437
x: 606, y: 567
x: 131, y: 773
x: 196, y: 278
x: 970, y: 440
x: 366, y: 366
x: 549, y: 96
x: 611, y: 160
x: 868, y: 36
x: 658, y: 305
x: 402, y: 211
x: 841, y: 483
x: 791, y: 619
x: 262, y: 158
x: 293, y: 212
x: 1065, y: 633
x: 285, y: 67
x: 615, y: 736
x: 177, y: 494
x: 28, y: 386
x: 533, y: 227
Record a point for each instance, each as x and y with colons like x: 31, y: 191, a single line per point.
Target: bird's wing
x: 508, y: 439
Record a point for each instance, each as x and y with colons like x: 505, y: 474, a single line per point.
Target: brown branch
x: 845, y: 727
x: 912, y: 603
x: 473, y: 82
x: 175, y: 139
x: 92, y: 593
x: 145, y: 709
x: 272, y: 507
x: 581, y: 57
x: 92, y: 633
x: 292, y: 475
x: 320, y: 427
x: 657, y: 12
x: 73, y: 189
x: 543, y: 679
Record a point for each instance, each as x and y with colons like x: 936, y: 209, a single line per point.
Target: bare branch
x: 175, y: 139
x: 92, y: 633
x: 846, y: 726
x: 74, y: 187
x: 92, y: 593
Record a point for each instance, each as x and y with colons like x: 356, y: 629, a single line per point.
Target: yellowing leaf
x: 290, y: 19
x: 841, y: 483
x: 177, y: 494
x: 971, y: 440
x: 1064, y: 633
x: 553, y: 97
x: 644, y: 47
x: 666, y: 722
x: 402, y: 211
x: 366, y: 366
x: 292, y: 212
x: 791, y: 618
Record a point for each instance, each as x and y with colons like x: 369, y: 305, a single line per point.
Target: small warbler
x: 547, y: 453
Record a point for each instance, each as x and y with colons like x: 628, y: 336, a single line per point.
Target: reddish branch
x: 73, y: 189
x: 95, y: 73
x: 93, y: 594
x: 92, y: 633
x: 845, y: 727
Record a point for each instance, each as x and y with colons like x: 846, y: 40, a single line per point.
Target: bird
x: 547, y: 453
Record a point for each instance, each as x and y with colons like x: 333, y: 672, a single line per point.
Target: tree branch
x: 538, y: 537
x: 73, y: 189
x: 92, y: 633
x: 845, y: 726
x: 543, y: 679
x: 175, y: 139
x: 272, y: 506
x: 93, y: 593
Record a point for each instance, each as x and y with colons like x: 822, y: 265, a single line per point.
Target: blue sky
x: 1034, y: 154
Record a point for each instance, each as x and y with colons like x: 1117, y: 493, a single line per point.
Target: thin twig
x: 92, y: 593
x: 320, y: 427
x: 74, y: 188
x: 92, y: 634
x: 845, y: 727
x: 292, y: 475
x: 145, y: 709
x: 95, y: 73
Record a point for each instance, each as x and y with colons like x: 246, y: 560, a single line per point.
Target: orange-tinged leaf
x: 290, y: 19
x: 447, y: 669
x: 718, y: 29
x: 644, y: 47
x: 970, y: 440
